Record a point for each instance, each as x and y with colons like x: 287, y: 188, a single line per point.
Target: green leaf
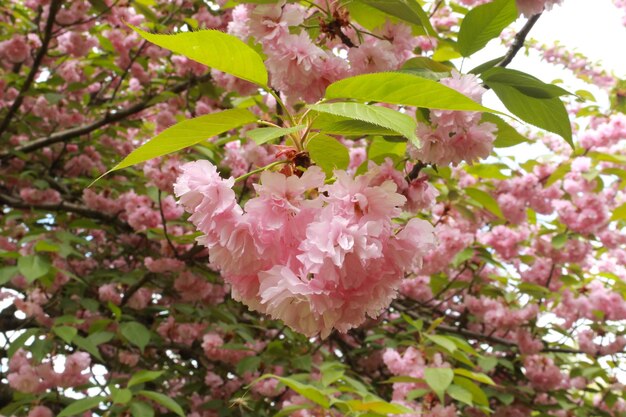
x: 446, y: 51
x: 422, y: 62
x: 619, y: 213
x: 135, y: 333
x: 416, y: 324
x: 476, y: 376
x: 465, y: 255
x: 99, y: 338
x: 33, y: 266
x: 45, y: 246
x: 142, y: 376
x: 87, y: 345
x: 381, y: 148
x: 478, y: 395
x: 214, y: 49
x: 484, y: 23
x: 491, y: 171
x: 141, y: 409
x: 331, y: 372
x: 403, y: 378
x: 120, y: 396
x: 290, y: 409
x: 99, y: 5
x: 265, y: 134
x: 486, y: 65
x: 546, y: 113
x: 66, y: 333
x: 382, y: 116
x: 487, y: 363
x: 460, y: 394
x: 379, y: 407
x: 187, y: 133
x: 486, y: 200
x: 507, y: 135
x: 336, y: 125
x: 328, y: 153
x: 20, y: 341
x: 558, y: 173
x: 367, y: 16
x: 438, y: 379
x: 416, y: 393
x: 163, y: 400
x: 600, y: 156
x: 559, y: 241
x: 403, y: 89
x: 442, y: 341
x: 7, y: 273
x: 525, y: 83
x: 78, y: 407
x: 248, y: 364
x: 307, y: 391
x: 407, y: 10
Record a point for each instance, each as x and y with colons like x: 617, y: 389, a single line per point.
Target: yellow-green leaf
x: 78, y: 407
x: 403, y: 89
x: 438, y: 379
x: 483, y: 23
x: 387, y: 118
x: 187, y: 133
x: 328, y: 153
x: 265, y: 134
x: 214, y: 49
x: 619, y: 213
x: 163, y: 400
x: 486, y: 200
x: 476, y: 376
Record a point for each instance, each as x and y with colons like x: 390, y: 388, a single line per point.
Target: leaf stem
x: 282, y: 104
x: 256, y: 171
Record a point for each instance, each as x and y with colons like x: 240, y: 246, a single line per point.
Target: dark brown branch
x: 106, y: 120
x: 481, y: 336
x: 136, y: 287
x: 41, y: 53
x: 8, y: 321
x: 518, y: 41
x: 64, y: 206
x: 164, y: 222
x: 415, y: 172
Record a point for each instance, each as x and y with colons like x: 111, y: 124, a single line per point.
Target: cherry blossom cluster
x: 300, y: 67
x: 25, y: 376
x: 316, y: 256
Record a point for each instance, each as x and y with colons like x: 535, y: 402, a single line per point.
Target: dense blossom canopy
x: 259, y: 208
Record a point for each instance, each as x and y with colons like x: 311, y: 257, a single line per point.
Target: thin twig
x: 41, y: 53
x: 64, y: 206
x: 164, y: 222
x: 109, y: 118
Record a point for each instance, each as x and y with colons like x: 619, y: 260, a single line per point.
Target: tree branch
x: 107, y: 119
x: 136, y: 287
x: 65, y: 207
x: 518, y: 41
x: 41, y: 53
x: 478, y: 335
